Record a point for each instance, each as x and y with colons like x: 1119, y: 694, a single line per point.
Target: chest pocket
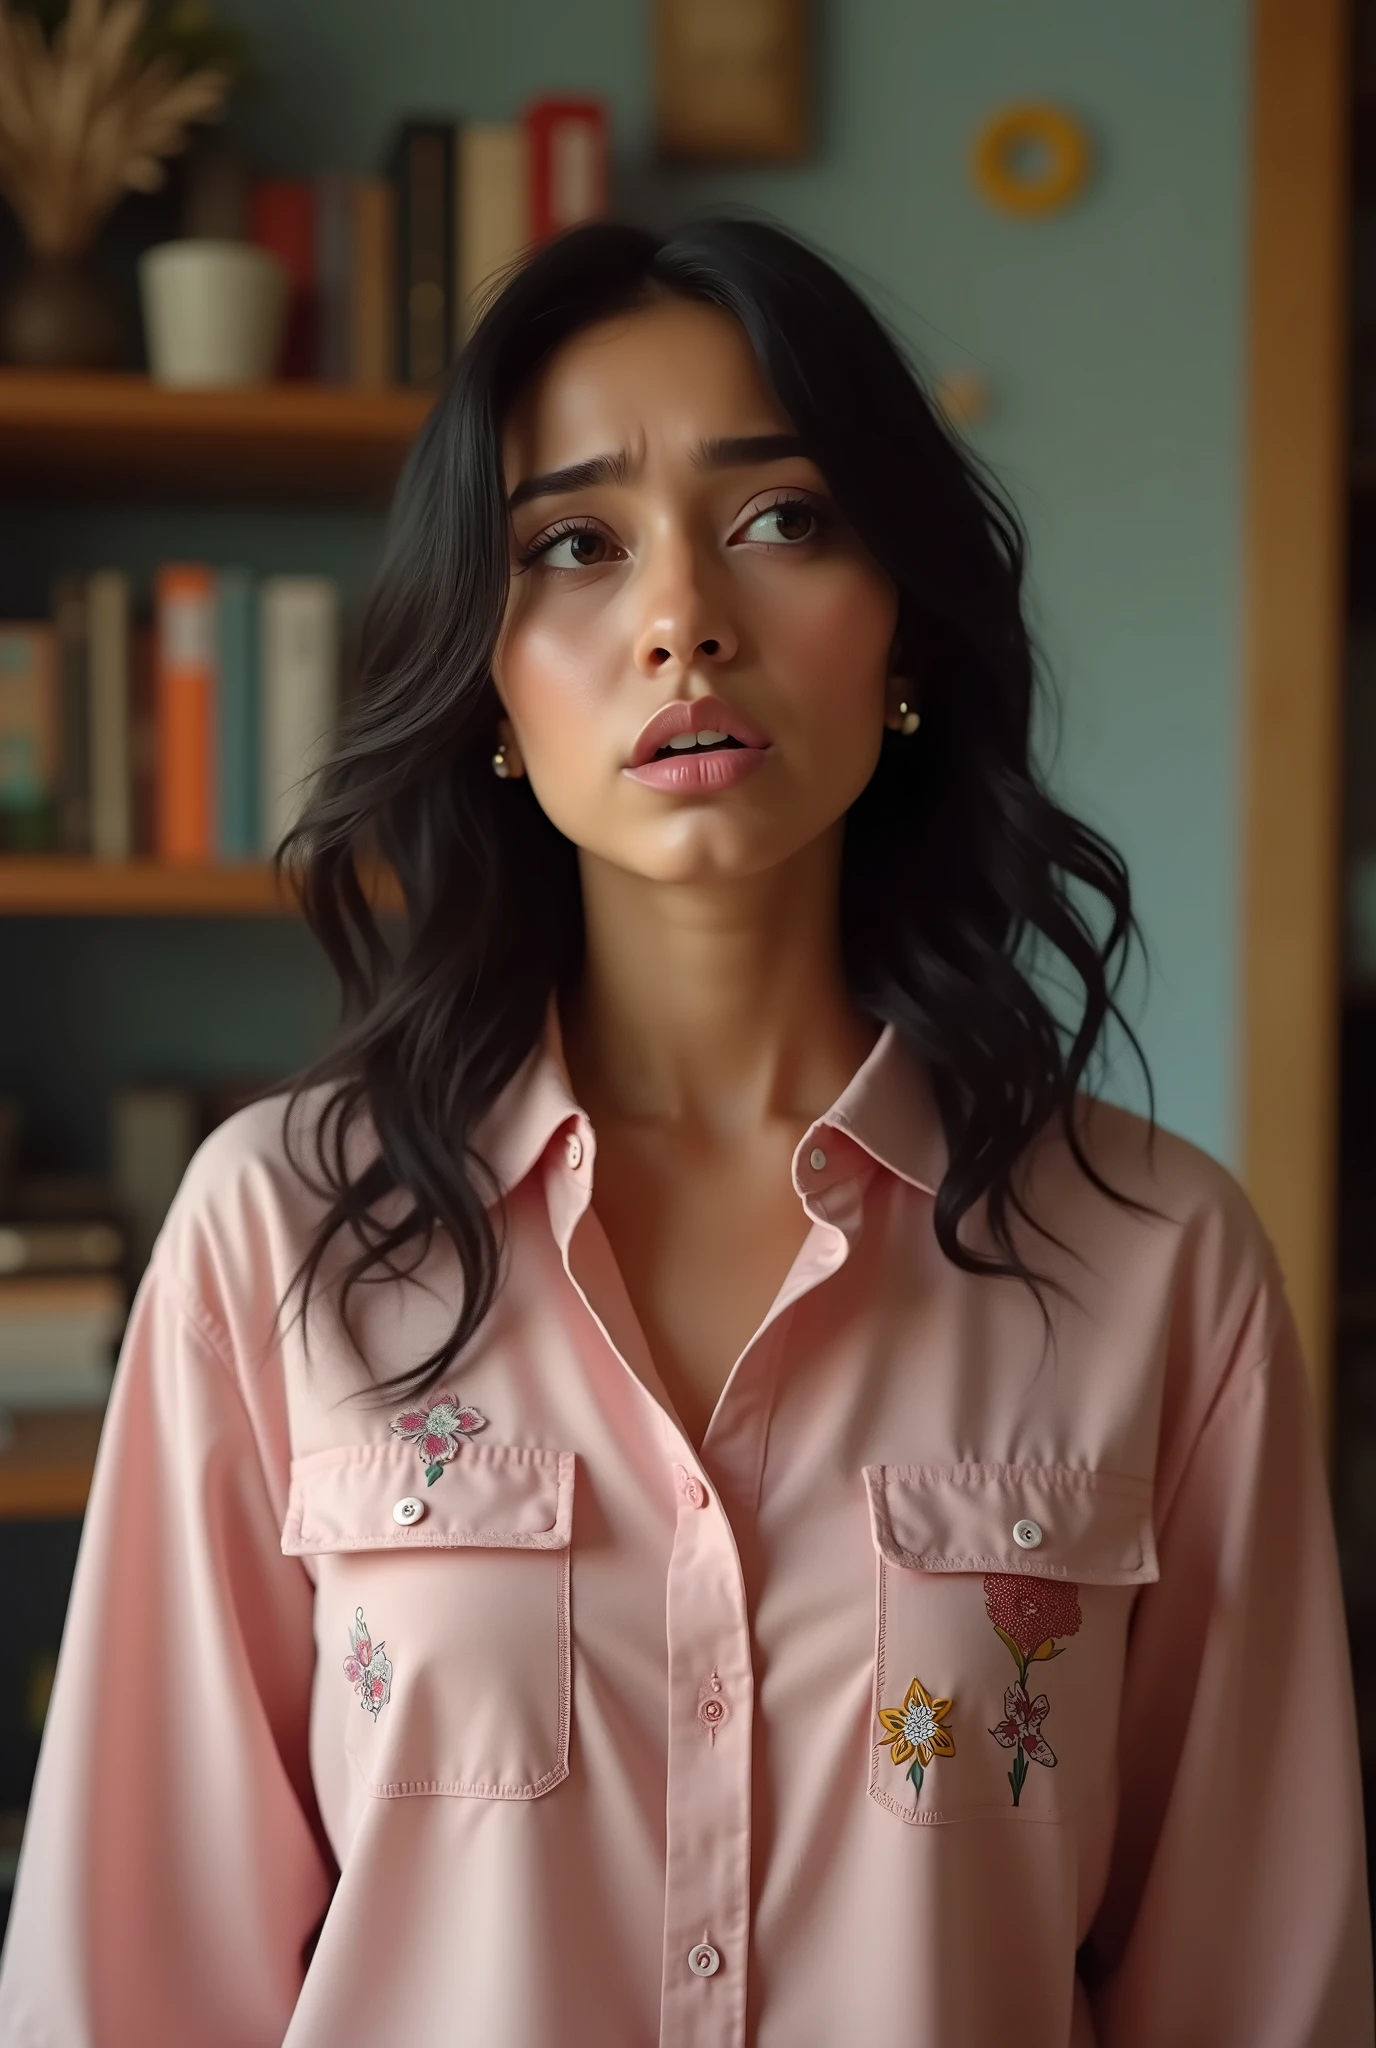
x: 442, y: 1635
x: 1003, y: 1600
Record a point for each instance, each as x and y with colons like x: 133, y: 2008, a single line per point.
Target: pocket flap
x: 489, y: 1496
x: 1096, y: 1527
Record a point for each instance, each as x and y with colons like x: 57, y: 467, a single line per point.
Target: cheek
x: 827, y: 641
x: 553, y: 673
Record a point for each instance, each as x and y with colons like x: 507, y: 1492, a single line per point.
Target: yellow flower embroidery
x: 914, y: 1731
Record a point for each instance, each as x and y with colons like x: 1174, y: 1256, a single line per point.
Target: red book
x: 281, y: 214
x: 568, y: 164
x: 184, y: 603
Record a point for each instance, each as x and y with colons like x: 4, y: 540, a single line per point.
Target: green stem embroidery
x: 432, y: 1473
x: 915, y: 1774
x: 1017, y: 1775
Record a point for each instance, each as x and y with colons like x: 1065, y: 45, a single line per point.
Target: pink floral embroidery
x: 1028, y: 1614
x: 367, y: 1667
x: 1023, y: 1726
x: 437, y: 1431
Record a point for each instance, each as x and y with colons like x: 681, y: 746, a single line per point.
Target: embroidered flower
x: 1028, y: 1614
x: 437, y: 1431
x: 914, y: 1731
x: 1022, y: 1728
x: 367, y: 1667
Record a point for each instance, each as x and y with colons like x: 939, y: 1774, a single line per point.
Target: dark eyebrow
x: 739, y: 450
x: 579, y: 476
x: 733, y: 452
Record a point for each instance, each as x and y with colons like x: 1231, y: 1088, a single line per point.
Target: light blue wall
x: 1111, y: 337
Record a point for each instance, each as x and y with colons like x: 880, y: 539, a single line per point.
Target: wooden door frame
x: 1295, y: 527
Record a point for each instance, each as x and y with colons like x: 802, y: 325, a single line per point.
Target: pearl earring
x: 500, y: 764
x: 908, y: 719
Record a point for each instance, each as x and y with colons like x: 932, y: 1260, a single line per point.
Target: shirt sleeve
x: 173, y: 1864
x: 1236, y: 1907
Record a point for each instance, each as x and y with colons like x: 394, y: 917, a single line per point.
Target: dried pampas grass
x: 85, y: 119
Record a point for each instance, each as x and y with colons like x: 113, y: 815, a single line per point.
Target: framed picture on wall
x: 731, y: 80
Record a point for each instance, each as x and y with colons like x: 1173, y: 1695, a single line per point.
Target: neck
x: 715, y: 1007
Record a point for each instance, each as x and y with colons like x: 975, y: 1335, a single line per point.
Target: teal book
x: 237, y: 749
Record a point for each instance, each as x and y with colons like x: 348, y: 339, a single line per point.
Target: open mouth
x: 705, y: 742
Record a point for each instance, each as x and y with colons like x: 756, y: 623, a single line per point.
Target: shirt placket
x: 711, y: 1670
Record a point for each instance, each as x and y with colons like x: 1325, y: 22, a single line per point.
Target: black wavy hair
x: 958, y: 869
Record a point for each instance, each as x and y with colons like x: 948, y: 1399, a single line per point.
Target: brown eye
x: 790, y: 522
x: 582, y: 548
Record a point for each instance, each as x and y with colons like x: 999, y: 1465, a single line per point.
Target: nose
x: 684, y: 624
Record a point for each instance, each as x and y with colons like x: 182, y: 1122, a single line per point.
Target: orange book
x: 184, y: 603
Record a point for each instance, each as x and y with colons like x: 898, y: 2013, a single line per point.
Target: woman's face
x: 679, y: 568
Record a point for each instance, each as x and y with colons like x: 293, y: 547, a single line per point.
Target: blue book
x: 237, y: 750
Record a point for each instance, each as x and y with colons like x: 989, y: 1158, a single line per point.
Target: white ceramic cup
x: 212, y: 312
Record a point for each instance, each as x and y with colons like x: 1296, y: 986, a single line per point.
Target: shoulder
x: 250, y: 1205
x: 1163, y: 1229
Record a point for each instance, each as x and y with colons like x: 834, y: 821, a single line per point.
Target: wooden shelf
x: 45, y: 1470
x: 50, y: 885
x: 125, y: 437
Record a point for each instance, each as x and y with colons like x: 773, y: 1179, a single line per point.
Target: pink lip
x: 693, y: 774
x: 704, y: 714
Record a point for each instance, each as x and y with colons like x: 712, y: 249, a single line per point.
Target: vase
x: 59, y: 315
x: 212, y: 312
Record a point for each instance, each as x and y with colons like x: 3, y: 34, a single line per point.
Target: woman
x: 766, y: 1515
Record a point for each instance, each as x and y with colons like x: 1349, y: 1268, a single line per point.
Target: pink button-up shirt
x: 973, y: 1685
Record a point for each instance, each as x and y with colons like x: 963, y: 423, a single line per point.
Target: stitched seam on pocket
x: 402, y: 1788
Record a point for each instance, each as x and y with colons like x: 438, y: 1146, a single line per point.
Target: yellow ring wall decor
x: 1065, y: 143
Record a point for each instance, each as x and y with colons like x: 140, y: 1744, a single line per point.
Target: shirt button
x: 703, y: 1960
x: 573, y: 1150
x: 1027, y: 1535
x: 817, y: 1159
x: 408, y: 1510
x: 691, y: 1487
x: 712, y: 1711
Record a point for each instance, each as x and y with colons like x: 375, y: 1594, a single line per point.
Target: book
x: 282, y: 218
x: 73, y: 794
x: 153, y: 1133
x: 143, y: 739
x: 372, y: 284
x: 568, y: 164
x: 492, y: 216
x: 27, y: 1246
x: 236, y: 674
x: 28, y: 734
x: 423, y: 173
x: 333, y: 262
x: 107, y: 602
x: 298, y: 691
x: 57, y: 1339
x: 184, y: 597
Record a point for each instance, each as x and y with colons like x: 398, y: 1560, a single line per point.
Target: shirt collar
x: 887, y: 1108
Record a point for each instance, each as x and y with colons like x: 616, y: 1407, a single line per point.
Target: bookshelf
x: 122, y: 437
x: 45, y: 1470
x: 53, y: 885
x: 73, y: 437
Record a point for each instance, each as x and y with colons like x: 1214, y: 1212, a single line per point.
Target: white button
x: 573, y: 1150
x: 1027, y: 1534
x: 816, y: 1159
x: 703, y: 1960
x: 408, y: 1510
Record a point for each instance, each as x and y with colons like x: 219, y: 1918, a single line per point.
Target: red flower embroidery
x: 367, y: 1667
x: 1028, y: 1614
x: 1022, y: 1727
x: 1030, y: 1611
x: 437, y: 1431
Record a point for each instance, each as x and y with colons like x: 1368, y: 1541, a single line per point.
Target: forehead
x: 676, y: 372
